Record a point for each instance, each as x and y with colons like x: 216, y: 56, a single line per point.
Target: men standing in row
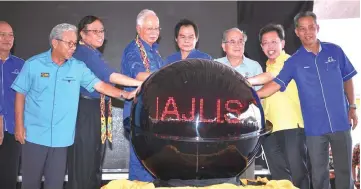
x: 233, y: 43
x: 140, y: 59
x: 46, y: 105
x: 10, y: 67
x: 323, y: 75
x: 285, y: 147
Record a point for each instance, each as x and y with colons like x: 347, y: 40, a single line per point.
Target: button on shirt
x: 193, y: 54
x: 282, y: 108
x: 95, y: 62
x: 51, y: 98
x: 9, y: 70
x: 132, y: 64
x: 248, y: 68
x: 320, y: 79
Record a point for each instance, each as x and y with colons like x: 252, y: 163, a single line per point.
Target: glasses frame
x: 68, y: 43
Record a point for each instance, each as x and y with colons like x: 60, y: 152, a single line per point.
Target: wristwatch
x: 353, y: 106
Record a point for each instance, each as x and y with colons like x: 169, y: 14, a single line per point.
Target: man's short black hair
x: 185, y: 22
x: 302, y: 15
x: 278, y: 28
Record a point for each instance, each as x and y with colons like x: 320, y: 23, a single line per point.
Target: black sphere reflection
x: 196, y: 119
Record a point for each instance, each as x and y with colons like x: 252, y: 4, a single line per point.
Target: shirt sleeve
x: 258, y: 71
x: 23, y: 81
x: 132, y: 64
x: 208, y: 57
x: 347, y: 69
x: 285, y: 75
x: 97, y: 65
x: 88, y: 79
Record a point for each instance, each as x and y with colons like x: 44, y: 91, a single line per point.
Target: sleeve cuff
x: 90, y: 87
x: 281, y: 83
x: 18, y: 89
x: 349, y: 76
x: 107, y: 79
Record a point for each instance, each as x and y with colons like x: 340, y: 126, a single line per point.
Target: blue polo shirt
x: 131, y: 64
x: 51, y: 98
x: 193, y: 54
x: 9, y: 70
x: 320, y: 79
x: 248, y: 68
x: 94, y: 60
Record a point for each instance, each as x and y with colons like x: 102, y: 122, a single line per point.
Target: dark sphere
x: 196, y: 119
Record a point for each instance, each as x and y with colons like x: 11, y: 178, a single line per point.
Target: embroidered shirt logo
x: 44, y: 74
x: 330, y: 60
x: 16, y: 71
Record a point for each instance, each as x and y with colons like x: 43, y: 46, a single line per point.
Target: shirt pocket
x: 333, y: 67
x: 70, y: 84
x: 40, y: 87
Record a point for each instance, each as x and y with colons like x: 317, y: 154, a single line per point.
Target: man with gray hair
x: 46, y: 103
x: 233, y: 43
x: 140, y: 59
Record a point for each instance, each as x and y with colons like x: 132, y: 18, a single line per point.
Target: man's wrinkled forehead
x: 152, y: 20
x: 234, y: 34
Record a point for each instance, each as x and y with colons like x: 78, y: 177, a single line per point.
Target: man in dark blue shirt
x: 140, y: 59
x: 186, y: 37
x: 323, y: 75
x: 10, y: 67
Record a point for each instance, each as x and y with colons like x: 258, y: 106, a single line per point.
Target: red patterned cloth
x: 356, y: 164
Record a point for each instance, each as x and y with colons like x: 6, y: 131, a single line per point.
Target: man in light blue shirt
x: 233, y: 43
x: 46, y: 106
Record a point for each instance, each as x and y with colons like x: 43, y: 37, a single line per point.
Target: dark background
x: 33, y: 21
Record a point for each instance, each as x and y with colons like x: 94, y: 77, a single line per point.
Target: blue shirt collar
x: 83, y: 44
x: 48, y: 57
x: 322, y: 46
x: 244, y: 61
x: 147, y: 47
x: 189, y: 55
x: 7, y: 58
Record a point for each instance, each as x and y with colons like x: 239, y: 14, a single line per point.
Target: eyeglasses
x: 234, y: 43
x: 3, y: 35
x: 153, y: 29
x: 68, y: 43
x: 269, y: 43
x: 96, y: 31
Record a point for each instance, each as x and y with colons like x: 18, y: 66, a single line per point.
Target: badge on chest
x: 44, y: 74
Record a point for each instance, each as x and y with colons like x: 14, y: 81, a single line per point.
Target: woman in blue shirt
x: 94, y: 118
x: 186, y: 37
